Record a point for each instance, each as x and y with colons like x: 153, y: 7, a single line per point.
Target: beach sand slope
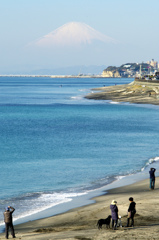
x: 81, y: 223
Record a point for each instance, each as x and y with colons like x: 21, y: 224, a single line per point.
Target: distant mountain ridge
x: 72, y: 70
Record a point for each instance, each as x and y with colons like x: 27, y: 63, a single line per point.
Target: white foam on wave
x: 114, y: 102
x: 120, y: 177
x: 30, y: 206
x: 76, y: 97
x: 150, y: 161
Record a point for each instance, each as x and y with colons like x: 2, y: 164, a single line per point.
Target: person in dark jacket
x: 152, y: 178
x: 114, y: 213
x: 8, y: 221
x: 131, y: 212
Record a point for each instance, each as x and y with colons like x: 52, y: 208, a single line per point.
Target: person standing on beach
x: 152, y: 178
x: 8, y: 221
x: 114, y: 213
x: 131, y: 212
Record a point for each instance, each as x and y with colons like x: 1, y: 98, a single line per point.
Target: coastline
x: 141, y: 92
x: 64, y: 228
x: 80, y: 223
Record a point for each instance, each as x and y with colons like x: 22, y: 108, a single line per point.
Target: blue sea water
x: 56, y: 145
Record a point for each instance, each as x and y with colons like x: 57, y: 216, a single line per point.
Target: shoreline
x: 75, y: 221
x: 57, y: 76
x: 80, y: 223
x: 135, y: 92
x: 85, y: 198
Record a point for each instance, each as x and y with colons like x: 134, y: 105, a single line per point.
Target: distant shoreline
x: 56, y: 76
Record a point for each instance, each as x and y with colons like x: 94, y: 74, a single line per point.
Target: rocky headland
x: 138, y: 91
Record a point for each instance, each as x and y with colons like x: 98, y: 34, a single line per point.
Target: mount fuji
x: 73, y: 33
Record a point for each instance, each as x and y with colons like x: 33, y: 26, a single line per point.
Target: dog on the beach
x: 119, y: 224
x: 105, y: 221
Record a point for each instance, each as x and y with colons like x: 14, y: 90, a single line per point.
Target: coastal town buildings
x: 132, y: 69
x: 154, y: 64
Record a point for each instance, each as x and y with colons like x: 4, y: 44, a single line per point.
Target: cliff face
x: 113, y: 73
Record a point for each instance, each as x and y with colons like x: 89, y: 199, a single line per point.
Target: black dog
x: 104, y: 221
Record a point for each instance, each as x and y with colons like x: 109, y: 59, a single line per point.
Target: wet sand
x: 80, y: 223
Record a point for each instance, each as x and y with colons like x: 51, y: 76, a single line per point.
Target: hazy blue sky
x: 132, y: 23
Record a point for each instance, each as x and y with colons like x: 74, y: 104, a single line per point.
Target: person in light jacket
x: 114, y: 213
x: 8, y: 221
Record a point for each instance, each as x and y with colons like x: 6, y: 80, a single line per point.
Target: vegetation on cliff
x: 130, y: 66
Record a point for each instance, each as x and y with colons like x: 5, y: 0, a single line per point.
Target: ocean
x: 57, y: 146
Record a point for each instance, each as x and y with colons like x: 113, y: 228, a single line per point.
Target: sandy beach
x: 80, y: 223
